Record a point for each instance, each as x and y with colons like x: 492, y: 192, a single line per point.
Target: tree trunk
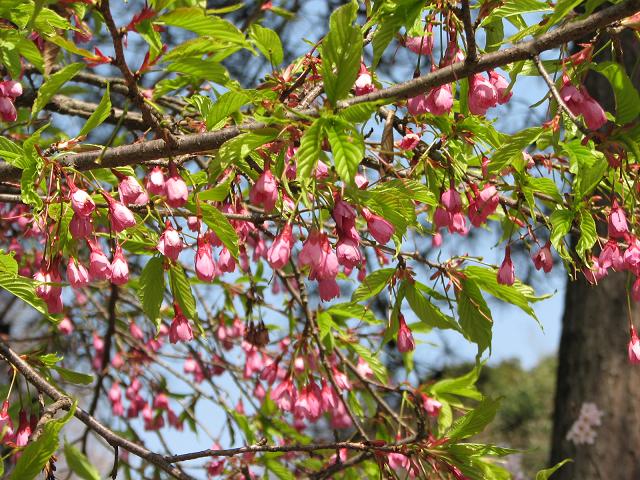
x: 593, y: 365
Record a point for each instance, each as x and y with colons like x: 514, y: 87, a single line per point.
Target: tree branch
x: 42, y: 385
x: 155, y: 149
x: 470, y: 33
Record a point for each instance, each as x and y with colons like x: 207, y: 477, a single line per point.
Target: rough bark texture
x: 593, y: 364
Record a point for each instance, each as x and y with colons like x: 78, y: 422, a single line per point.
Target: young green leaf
x: 627, y: 97
x: 475, y: 316
x: 217, y: 222
x: 310, y: 148
x: 347, y: 146
x: 341, y: 52
x: 181, y: 289
x: 100, y: 114
x: 51, y: 86
x: 151, y: 288
x: 475, y: 421
x: 79, y: 463
x: 268, y: 43
x: 373, y: 284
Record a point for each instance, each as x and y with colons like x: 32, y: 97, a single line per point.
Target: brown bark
x: 593, y: 364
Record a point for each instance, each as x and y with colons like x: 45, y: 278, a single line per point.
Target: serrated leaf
x: 512, y: 149
x: 279, y: 469
x: 195, y: 20
x: 12, y: 153
x: 79, y: 463
x: 426, y: 311
x: 374, y: 362
x: 100, y: 114
x: 36, y: 454
x: 475, y: 316
x: 517, y: 294
x: 151, y: 289
x: 23, y: 288
x: 268, y: 42
x: 228, y: 103
x: 561, y: 221
x: 182, y: 294
x: 309, y: 151
x: 341, y: 52
x: 235, y: 150
x: 588, y: 234
x: 217, y: 193
x: 475, y: 421
x: 217, y: 222
x: 463, y: 386
x: 626, y: 95
x: 206, y: 69
x: 373, y: 284
x: 52, y: 84
x: 347, y: 146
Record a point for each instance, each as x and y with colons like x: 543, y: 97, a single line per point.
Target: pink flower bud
x: 99, y: 265
x: 343, y: 214
x: 80, y: 227
x: 81, y: 202
x: 328, y: 289
x: 284, y: 395
x: 226, y: 262
x: 131, y: 192
x: 65, y: 327
x: 170, y: 243
x: 180, y: 330
x: 451, y: 200
x: 119, y: 268
x: 543, y: 259
x: 265, y: 191
x: 280, y: 251
x: 482, y: 95
x: 431, y: 405
x: 634, y: 347
x: 405, y: 341
x: 501, y: 85
x: 379, y: 228
x: 364, y: 82
x: 24, y: 430
x: 156, y: 181
x: 409, y: 141
x: 206, y: 268
x: 77, y: 274
x: 193, y: 223
x: 506, y: 273
x: 579, y: 102
x: 121, y: 217
x: 322, y: 170
x: 422, y: 45
x: 483, y: 204
x: 176, y: 189
x: 617, y: 222
x: 8, y: 112
x: 348, y: 253
x: 439, y: 100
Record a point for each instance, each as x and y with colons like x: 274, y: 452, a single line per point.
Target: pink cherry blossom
x: 131, y: 192
x: 121, y: 217
x: 119, y: 268
x: 81, y: 202
x: 482, y: 95
x: 80, y: 227
x: 364, y: 82
x: 65, y: 327
x: 206, y: 268
x: 156, y: 184
x: 170, y: 243
x: 77, y: 274
x: 180, y: 330
x: 379, y: 228
x: 405, y: 337
x: 617, y: 222
x: 543, y: 260
x: 506, y: 273
x: 9, y: 91
x: 265, y: 191
x: 634, y: 347
x: 280, y: 250
x: 99, y: 264
x: 501, y: 85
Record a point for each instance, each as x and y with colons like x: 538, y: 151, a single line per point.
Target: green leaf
x: 8, y: 264
x: 79, y: 463
x: 36, y: 454
x: 217, y: 193
x: 561, y: 221
x: 516, y: 7
x: 23, y: 288
x: 51, y: 86
x: 475, y: 316
x: 268, y: 42
x: 588, y: 234
x: 182, y: 294
x: 517, y: 294
x: 627, y: 98
x: 546, y: 473
x: 279, y: 469
x: 426, y: 311
x: 373, y: 284
x: 74, y: 377
x: 463, y: 386
x: 310, y: 148
x: 512, y: 149
x: 100, y: 114
x: 151, y: 289
x: 235, y: 150
x: 341, y: 52
x: 228, y: 103
x: 151, y: 36
x: 206, y: 69
x: 195, y: 20
x: 475, y: 421
x: 217, y: 222
x: 347, y: 146
x: 358, y: 113
x: 12, y: 153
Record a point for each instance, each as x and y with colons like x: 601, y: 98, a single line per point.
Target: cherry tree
x: 260, y: 251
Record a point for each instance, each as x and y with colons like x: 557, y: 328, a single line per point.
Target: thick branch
x: 470, y: 33
x: 155, y: 149
x: 35, y: 379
